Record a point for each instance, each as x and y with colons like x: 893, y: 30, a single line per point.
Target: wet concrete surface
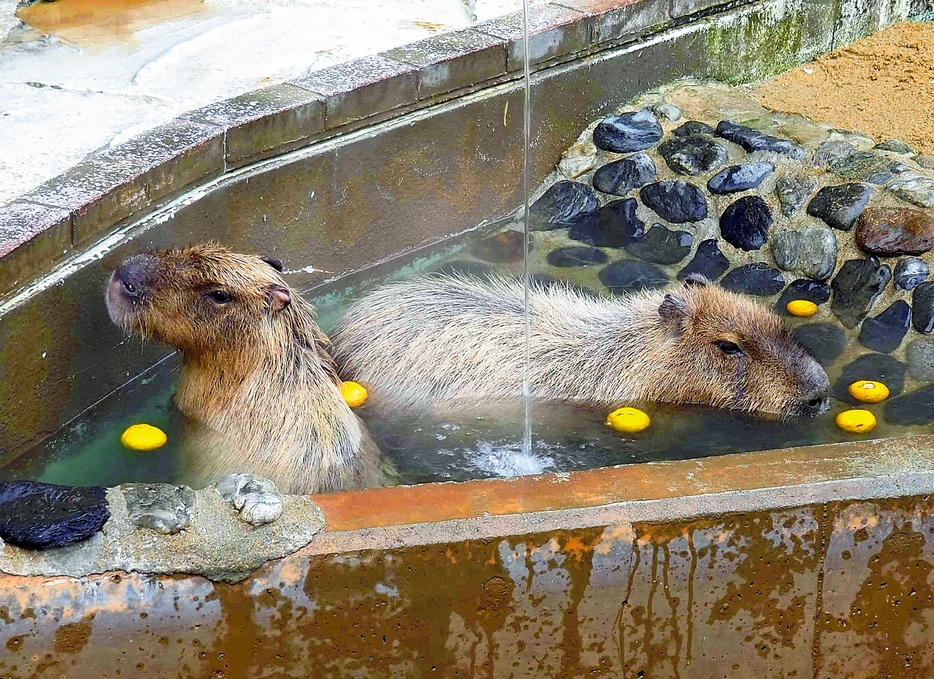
x: 832, y: 590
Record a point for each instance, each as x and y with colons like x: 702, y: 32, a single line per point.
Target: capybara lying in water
x: 436, y: 338
x: 258, y: 388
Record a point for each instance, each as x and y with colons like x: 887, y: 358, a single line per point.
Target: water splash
x: 510, y: 460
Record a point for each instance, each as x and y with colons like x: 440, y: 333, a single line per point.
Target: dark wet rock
x: 635, y: 131
x: 693, y: 155
x: 803, y: 288
x: 160, y: 506
x: 895, y: 146
x: 914, y: 408
x: 915, y: 189
x: 824, y: 341
x: 630, y: 276
x: 754, y: 140
x: 666, y: 111
x: 922, y: 307
x: 708, y: 261
x: 615, y: 225
x: 876, y: 367
x: 675, y: 201
x: 832, y: 152
x: 920, y: 357
x: 564, y: 204
x: 740, y: 177
x: 256, y: 499
x: 662, y: 246
x: 692, y: 127
x: 811, y: 251
x: 840, y: 206
x: 866, y: 166
x: 910, y: 272
x: 856, y: 287
x: 43, y: 515
x: 461, y: 267
x: 576, y: 256
x: 745, y: 223
x: 756, y: 279
x: 884, y: 333
x: 505, y: 246
x: 622, y: 176
x: 793, y: 190
x: 893, y: 231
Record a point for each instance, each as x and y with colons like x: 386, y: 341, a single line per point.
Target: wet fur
x: 435, y: 339
x: 258, y: 386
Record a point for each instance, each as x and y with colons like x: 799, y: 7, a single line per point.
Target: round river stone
x: 708, y: 262
x: 634, y: 131
x: 892, y: 231
x: 675, y: 201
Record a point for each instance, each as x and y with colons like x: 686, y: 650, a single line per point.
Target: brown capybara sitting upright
x: 258, y: 388
x: 435, y: 339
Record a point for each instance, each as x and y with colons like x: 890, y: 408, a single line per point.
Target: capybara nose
x: 816, y: 404
x: 133, y: 276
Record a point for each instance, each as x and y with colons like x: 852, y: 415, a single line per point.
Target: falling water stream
x: 526, y: 139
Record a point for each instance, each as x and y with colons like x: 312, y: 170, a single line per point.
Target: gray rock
x: 914, y: 188
x: 866, y: 166
x: 920, y: 357
x: 925, y: 161
x: 666, y: 111
x: 578, y: 160
x: 159, y: 506
x: 693, y: 155
x: 832, y: 152
x: 793, y: 190
x: 895, y: 146
x: 910, y: 272
x: 811, y: 251
x: 257, y: 499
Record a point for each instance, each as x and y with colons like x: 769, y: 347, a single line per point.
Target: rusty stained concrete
x: 840, y: 589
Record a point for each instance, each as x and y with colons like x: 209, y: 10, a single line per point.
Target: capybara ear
x: 674, y: 311
x: 273, y: 262
x: 696, y: 280
x: 279, y: 298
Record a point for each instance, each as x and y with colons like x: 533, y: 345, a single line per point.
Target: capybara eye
x: 728, y: 348
x: 220, y: 296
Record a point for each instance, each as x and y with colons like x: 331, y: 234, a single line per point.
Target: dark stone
x: 662, y: 246
x: 756, y: 279
x: 793, y: 190
x: 840, y: 206
x: 893, y: 231
x: 895, y: 146
x: 576, y: 256
x: 675, y: 201
x: 922, y: 307
x: 803, y: 288
x: 740, y: 177
x: 876, y: 367
x: 564, y: 204
x: 630, y: 276
x: 884, y: 333
x: 910, y: 272
x: 856, y: 287
x: 693, y: 155
x: 920, y: 357
x: 824, y: 341
x: 708, y: 262
x: 692, y: 127
x: 745, y: 223
x: 866, y: 166
x: 832, y: 152
x: 467, y: 268
x: 911, y: 409
x: 505, y: 246
x: 615, y: 225
x: 622, y: 176
x: 754, y: 140
x: 42, y: 515
x: 628, y: 132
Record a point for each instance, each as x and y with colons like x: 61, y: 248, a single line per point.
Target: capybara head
x: 202, y: 298
x: 737, y: 354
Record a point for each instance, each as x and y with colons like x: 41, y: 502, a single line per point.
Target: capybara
x: 438, y: 338
x: 258, y: 388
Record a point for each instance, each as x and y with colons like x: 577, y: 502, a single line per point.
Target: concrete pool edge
x: 439, y: 513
